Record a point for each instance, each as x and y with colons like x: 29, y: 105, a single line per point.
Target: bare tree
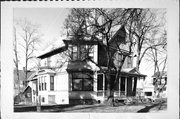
x: 16, y: 59
x: 158, y: 55
x: 144, y: 23
x: 28, y: 38
x: 99, y: 25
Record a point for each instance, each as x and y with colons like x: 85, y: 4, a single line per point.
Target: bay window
x: 82, y: 82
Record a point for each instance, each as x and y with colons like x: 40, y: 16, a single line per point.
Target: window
x: 51, y: 83
x: 51, y: 99
x: 100, y: 82
x: 34, y: 92
x: 74, y: 53
x: 45, y: 85
x: 43, y: 99
x: 39, y: 84
x: 82, y: 82
x: 81, y: 52
x: 129, y: 62
x: 148, y: 93
x: 42, y: 82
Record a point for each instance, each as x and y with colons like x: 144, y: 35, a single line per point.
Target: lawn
x: 98, y: 108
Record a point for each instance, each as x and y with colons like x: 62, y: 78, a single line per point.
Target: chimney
x: 24, y: 69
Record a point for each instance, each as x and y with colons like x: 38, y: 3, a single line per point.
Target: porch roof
x: 128, y: 72
x: 82, y: 66
x: 133, y: 72
x: 46, y: 71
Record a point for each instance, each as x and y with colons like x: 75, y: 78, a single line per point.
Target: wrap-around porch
x: 125, y: 86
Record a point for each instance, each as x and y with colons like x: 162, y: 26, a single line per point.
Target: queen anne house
x: 80, y: 78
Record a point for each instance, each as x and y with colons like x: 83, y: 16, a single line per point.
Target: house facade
x: 82, y: 78
x: 22, y: 93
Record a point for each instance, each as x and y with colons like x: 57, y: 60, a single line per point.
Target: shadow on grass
x: 55, y: 108
x: 34, y: 108
x: 91, y: 107
x: 147, y: 108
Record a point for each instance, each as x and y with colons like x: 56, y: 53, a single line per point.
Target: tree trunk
x: 110, y: 92
x: 138, y: 61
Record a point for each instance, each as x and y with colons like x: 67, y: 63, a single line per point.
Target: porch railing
x: 116, y: 93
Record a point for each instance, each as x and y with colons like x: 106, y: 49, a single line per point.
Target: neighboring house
x: 148, y: 91
x: 160, y: 84
x: 20, y: 86
x: 80, y: 79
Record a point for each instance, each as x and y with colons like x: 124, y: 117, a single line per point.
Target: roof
x: 85, y: 42
x: 46, y: 71
x: 121, y: 33
x: 82, y: 66
x: 27, y: 87
x: 22, y: 75
x: 132, y: 71
x: 53, y: 52
x: 160, y: 74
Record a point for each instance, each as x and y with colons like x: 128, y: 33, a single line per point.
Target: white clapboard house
x: 80, y: 79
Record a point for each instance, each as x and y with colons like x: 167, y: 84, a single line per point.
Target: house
x: 80, y: 79
x: 20, y: 86
x: 160, y: 84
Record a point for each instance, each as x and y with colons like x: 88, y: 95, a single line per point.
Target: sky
x: 51, y: 21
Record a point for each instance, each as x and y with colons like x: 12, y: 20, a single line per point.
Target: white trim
x: 119, y: 86
x: 103, y: 85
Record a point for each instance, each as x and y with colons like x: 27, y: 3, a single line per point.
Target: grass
x: 97, y: 108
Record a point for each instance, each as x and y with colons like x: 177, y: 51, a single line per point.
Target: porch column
x: 125, y: 86
x: 132, y: 83
x: 119, y: 86
x: 103, y: 85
